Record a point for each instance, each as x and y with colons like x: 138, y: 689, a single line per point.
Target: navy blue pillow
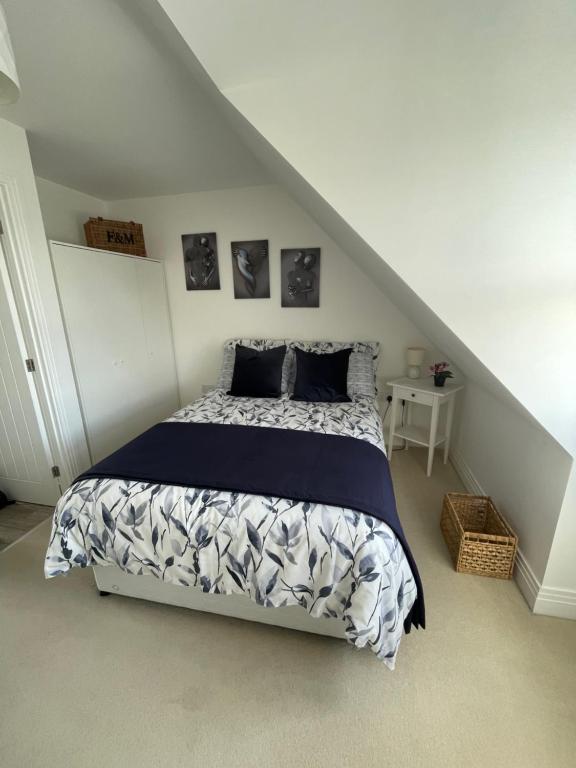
x: 257, y: 373
x: 321, y: 378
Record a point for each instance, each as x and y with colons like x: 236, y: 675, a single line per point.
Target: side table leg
x: 432, y: 438
x: 408, y: 407
x: 392, y: 427
x: 449, y: 418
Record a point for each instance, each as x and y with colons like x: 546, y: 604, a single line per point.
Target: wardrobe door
x: 105, y: 313
x: 159, y: 396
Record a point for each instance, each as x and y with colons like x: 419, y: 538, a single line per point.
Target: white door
x: 25, y: 462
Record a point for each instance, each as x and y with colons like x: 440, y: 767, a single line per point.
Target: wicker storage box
x: 479, y: 539
x: 120, y: 236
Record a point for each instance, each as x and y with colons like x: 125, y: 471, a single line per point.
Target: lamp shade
x: 9, y: 84
x: 415, y: 355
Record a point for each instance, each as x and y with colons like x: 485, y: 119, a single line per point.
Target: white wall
x: 517, y: 463
x: 509, y: 455
x: 447, y: 150
x: 561, y: 569
x: 65, y: 210
x: 447, y: 145
x: 351, y: 306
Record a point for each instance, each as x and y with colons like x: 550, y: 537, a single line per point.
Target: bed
x: 295, y: 563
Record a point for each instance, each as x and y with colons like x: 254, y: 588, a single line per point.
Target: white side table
x: 423, y: 392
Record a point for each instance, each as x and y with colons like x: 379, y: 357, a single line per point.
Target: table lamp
x: 414, y: 359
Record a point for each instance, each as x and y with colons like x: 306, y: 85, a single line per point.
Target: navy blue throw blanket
x: 304, y: 466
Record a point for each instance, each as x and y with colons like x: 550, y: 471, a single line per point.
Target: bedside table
x: 423, y: 392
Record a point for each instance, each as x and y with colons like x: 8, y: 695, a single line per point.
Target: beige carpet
x: 19, y: 518
x: 86, y: 681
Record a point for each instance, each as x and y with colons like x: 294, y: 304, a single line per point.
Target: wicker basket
x: 479, y: 539
x: 120, y: 236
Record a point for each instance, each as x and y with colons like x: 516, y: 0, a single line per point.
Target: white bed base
x: 113, y: 580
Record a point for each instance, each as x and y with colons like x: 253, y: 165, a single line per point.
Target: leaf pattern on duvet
x: 332, y: 562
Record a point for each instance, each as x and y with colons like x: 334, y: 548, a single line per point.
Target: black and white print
x: 330, y: 561
x: 251, y: 269
x: 201, y: 262
x: 300, y: 277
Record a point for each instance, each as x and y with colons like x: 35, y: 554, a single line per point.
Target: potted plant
x: 441, y: 373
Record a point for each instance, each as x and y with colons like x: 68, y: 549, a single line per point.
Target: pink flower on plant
x: 438, y: 368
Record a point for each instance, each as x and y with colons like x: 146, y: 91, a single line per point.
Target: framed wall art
x: 251, y: 269
x: 201, y: 262
x: 300, y: 269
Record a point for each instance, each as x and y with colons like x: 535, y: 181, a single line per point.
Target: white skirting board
x: 556, y: 602
x: 546, y: 601
x: 113, y: 580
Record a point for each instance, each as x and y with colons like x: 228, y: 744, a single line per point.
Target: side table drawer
x: 412, y: 396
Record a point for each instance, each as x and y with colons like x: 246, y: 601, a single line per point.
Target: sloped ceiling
x: 435, y: 144
x: 110, y: 112
x: 432, y: 142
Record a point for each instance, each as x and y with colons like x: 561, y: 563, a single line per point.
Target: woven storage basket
x: 479, y: 539
x: 120, y: 236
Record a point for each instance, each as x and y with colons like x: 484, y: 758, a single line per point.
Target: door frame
x: 32, y: 322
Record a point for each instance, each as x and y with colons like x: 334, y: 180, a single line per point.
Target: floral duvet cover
x: 331, y: 561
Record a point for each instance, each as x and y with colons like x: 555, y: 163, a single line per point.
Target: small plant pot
x: 439, y: 380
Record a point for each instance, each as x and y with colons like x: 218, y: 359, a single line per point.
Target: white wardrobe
x: 116, y: 316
